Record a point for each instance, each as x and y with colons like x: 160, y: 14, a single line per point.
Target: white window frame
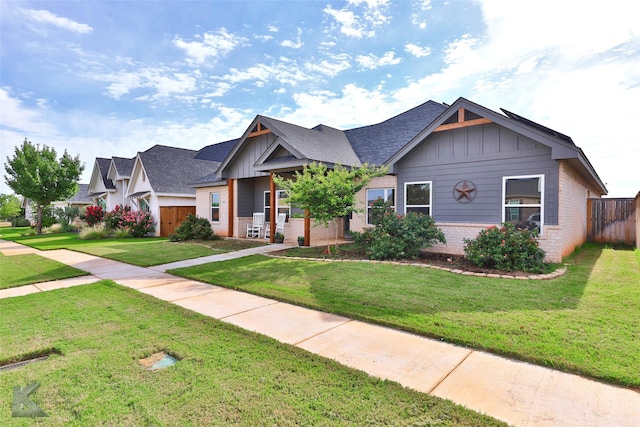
x: 214, y: 207
x: 430, y: 205
x: 506, y: 205
x: 385, y: 189
x: 141, y: 207
x: 280, y: 208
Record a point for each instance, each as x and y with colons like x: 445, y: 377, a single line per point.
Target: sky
x: 112, y: 78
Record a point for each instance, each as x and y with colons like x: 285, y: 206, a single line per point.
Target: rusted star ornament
x: 464, y: 191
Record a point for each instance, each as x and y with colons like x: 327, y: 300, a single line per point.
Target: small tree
x: 38, y: 175
x: 328, y: 194
x: 9, y: 207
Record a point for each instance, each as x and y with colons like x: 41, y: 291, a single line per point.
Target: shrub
x: 21, y: 222
x: 121, y: 233
x: 113, y: 219
x: 193, y: 228
x: 93, y: 215
x: 400, y: 237
x: 53, y: 229
x: 506, y: 248
x: 66, y: 215
x: 94, y: 232
x: 139, y: 223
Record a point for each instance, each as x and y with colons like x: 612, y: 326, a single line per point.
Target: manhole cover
x: 159, y: 360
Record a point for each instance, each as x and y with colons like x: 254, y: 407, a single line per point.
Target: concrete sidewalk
x: 519, y: 393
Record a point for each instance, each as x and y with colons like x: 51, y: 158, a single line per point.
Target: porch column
x: 307, y: 227
x: 272, y: 210
x: 230, y: 200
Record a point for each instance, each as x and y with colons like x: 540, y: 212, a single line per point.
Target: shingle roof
x: 322, y: 143
x: 123, y: 166
x: 375, y: 144
x: 171, y: 169
x: 103, y: 165
x: 82, y: 196
x: 216, y: 152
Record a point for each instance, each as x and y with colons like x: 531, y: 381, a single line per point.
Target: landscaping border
x: 548, y: 276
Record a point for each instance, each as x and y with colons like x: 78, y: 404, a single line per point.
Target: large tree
x: 328, y: 194
x: 41, y: 177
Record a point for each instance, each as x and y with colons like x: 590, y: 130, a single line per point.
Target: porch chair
x: 282, y: 218
x: 255, y: 228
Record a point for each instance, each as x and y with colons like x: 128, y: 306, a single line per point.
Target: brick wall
x: 359, y: 219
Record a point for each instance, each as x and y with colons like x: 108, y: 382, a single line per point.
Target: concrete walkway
x: 519, y: 393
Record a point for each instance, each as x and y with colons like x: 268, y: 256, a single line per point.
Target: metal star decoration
x: 464, y: 191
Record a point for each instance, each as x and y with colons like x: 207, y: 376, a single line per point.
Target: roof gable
x: 464, y: 113
x: 120, y: 168
x: 169, y: 170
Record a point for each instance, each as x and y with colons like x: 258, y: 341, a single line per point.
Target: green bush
x: 506, y: 248
x: 193, y: 228
x: 21, y: 222
x: 400, y: 237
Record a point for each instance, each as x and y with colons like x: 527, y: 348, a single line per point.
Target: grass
x: 584, y: 322
x: 142, y: 252
x: 225, y: 376
x: 20, y: 270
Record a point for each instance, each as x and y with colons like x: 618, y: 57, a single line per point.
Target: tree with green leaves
x: 328, y: 194
x: 10, y: 207
x: 37, y: 174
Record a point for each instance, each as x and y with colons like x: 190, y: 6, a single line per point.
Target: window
x: 215, y: 207
x: 417, y: 197
x: 523, y: 200
x: 281, y: 204
x: 102, y: 203
x: 386, y: 195
x: 144, y: 205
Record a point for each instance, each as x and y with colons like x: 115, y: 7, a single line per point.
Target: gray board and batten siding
x: 481, y: 154
x: 243, y: 166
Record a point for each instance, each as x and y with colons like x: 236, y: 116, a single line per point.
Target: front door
x: 172, y: 216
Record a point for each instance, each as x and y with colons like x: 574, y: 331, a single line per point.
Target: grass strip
x: 225, y: 376
x: 584, y: 322
x: 20, y: 270
x: 143, y: 252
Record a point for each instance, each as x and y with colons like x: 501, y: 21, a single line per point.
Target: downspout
x: 272, y: 210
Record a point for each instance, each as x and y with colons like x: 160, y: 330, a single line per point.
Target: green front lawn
x: 19, y: 270
x: 585, y: 322
x: 226, y: 376
x: 142, y: 252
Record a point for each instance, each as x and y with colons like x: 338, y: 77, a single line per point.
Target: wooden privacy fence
x: 611, y: 221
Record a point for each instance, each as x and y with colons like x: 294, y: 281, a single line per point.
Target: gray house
x: 465, y: 165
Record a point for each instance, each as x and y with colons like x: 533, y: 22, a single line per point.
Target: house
x: 159, y: 183
x: 79, y: 200
x: 119, y: 173
x: 465, y: 165
x: 101, y: 188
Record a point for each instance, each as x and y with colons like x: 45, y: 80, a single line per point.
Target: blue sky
x: 111, y: 78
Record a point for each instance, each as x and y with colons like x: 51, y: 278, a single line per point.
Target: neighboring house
x: 101, y: 188
x: 79, y: 200
x: 466, y: 166
x: 159, y: 183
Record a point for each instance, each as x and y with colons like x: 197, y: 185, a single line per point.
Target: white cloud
x: 372, y: 61
x: 297, y: 44
x: 212, y: 46
x: 17, y: 118
x: 162, y: 81
x: 272, y: 29
x: 363, y: 25
x: 330, y: 67
x: 418, y: 17
x: 46, y: 17
x: 286, y: 72
x: 417, y: 51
